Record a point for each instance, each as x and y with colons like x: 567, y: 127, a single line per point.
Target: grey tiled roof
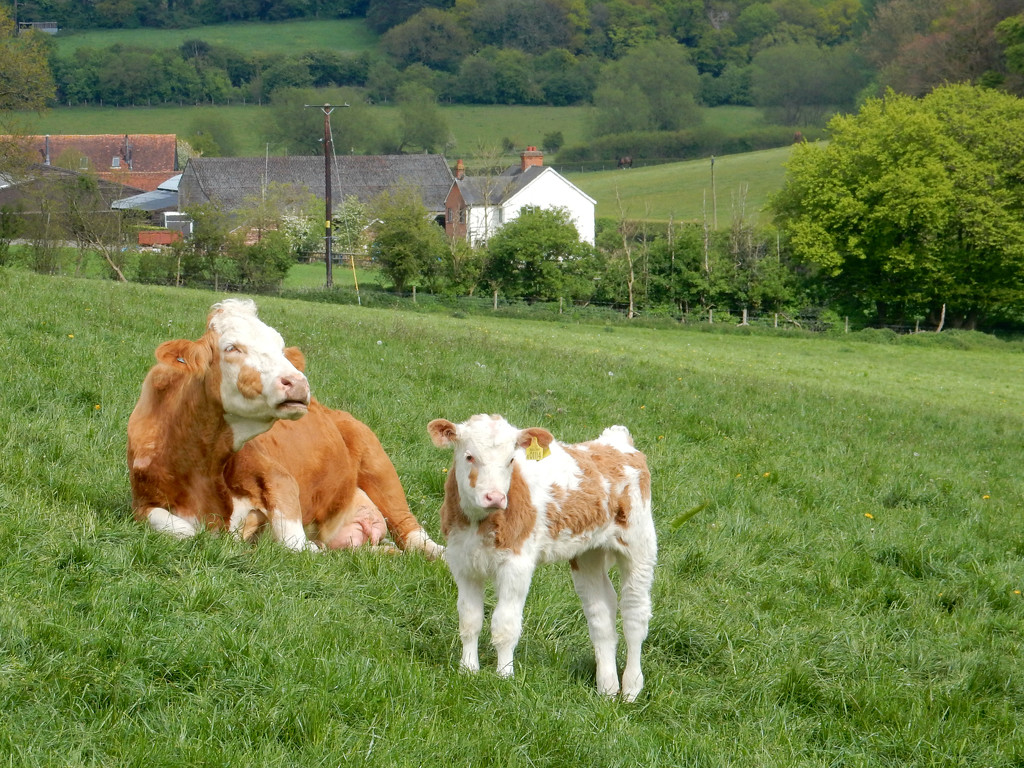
x: 498, y: 188
x: 228, y: 181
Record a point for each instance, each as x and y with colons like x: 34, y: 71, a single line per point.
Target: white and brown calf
x: 515, y: 498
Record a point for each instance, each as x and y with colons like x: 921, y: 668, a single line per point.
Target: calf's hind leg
x: 590, y: 577
x: 637, y: 576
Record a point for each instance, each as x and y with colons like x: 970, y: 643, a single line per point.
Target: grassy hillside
x: 687, y: 191
x: 253, y: 37
x: 847, y: 593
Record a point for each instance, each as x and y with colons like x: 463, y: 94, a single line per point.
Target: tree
x: 653, y: 87
x: 1010, y: 34
x: 213, y: 135
x: 917, y: 46
x: 539, y: 255
x: 407, y: 244
x: 421, y: 123
x: 431, y: 37
x: 292, y: 126
x: 25, y: 78
x: 915, y: 204
x: 532, y: 26
x: 799, y: 83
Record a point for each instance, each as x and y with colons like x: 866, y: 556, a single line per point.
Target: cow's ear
x: 296, y: 358
x: 182, y: 353
x: 541, y: 435
x: 442, y: 432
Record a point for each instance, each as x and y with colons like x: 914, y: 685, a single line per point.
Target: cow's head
x: 246, y: 367
x: 485, y: 450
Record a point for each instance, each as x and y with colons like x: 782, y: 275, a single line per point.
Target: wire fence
x: 811, y: 319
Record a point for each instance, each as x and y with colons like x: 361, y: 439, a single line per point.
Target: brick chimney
x: 531, y: 156
x: 460, y: 169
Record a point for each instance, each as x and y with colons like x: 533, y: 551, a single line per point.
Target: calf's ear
x: 295, y: 357
x: 442, y: 432
x: 541, y: 435
x: 183, y: 353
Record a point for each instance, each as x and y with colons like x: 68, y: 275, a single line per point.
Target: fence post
x: 776, y: 319
x: 847, y: 323
x: 744, y: 317
x: 414, y: 294
x: 495, y: 299
x: 560, y: 305
x: 711, y: 316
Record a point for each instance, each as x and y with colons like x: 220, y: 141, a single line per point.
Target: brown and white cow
x: 515, y: 498
x: 194, y: 458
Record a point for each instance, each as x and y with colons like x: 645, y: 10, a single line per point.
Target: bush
x: 678, y: 145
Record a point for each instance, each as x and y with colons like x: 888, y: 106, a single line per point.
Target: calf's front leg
x: 512, y: 584
x: 471, y: 619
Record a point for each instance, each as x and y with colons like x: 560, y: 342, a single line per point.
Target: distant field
x: 684, y: 191
x: 255, y: 37
x: 476, y: 129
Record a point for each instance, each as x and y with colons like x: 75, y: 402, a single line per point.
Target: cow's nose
x: 295, y: 387
x: 494, y: 500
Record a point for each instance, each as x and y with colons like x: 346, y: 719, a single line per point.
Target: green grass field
x: 686, y: 191
x: 848, y: 592
x: 252, y: 37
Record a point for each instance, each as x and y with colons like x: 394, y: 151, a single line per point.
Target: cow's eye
x: 469, y: 458
x: 230, y: 348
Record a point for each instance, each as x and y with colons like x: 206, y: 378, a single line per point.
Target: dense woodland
x: 643, y: 63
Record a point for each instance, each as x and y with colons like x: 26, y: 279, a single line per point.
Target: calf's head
x: 485, y: 451
x: 245, y: 367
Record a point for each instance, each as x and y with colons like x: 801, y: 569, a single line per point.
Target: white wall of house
x: 552, y: 190
x: 549, y: 190
x: 483, y: 222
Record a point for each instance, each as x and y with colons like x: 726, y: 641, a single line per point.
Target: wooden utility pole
x: 714, y: 197
x: 328, y: 154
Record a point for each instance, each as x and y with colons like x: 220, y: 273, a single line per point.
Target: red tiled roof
x: 139, y: 160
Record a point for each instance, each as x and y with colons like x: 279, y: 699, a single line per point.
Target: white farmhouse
x: 478, y: 206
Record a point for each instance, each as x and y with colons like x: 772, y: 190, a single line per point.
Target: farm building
x: 478, y: 206
x: 140, y: 161
x: 229, y: 182
x: 28, y: 191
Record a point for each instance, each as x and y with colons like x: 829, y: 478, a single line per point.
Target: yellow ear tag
x: 536, y: 452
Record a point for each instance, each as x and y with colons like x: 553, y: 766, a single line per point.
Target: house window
x: 83, y: 163
x: 115, y: 162
x: 501, y: 215
x: 449, y: 214
x: 462, y: 215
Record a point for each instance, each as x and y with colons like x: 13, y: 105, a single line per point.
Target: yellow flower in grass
x: 869, y: 516
x: 986, y: 496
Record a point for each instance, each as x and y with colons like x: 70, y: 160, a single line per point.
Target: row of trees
x: 556, y: 51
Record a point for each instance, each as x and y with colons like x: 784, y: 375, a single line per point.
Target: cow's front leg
x: 165, y: 521
x: 284, y: 512
x: 471, y: 620
x: 512, y: 584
